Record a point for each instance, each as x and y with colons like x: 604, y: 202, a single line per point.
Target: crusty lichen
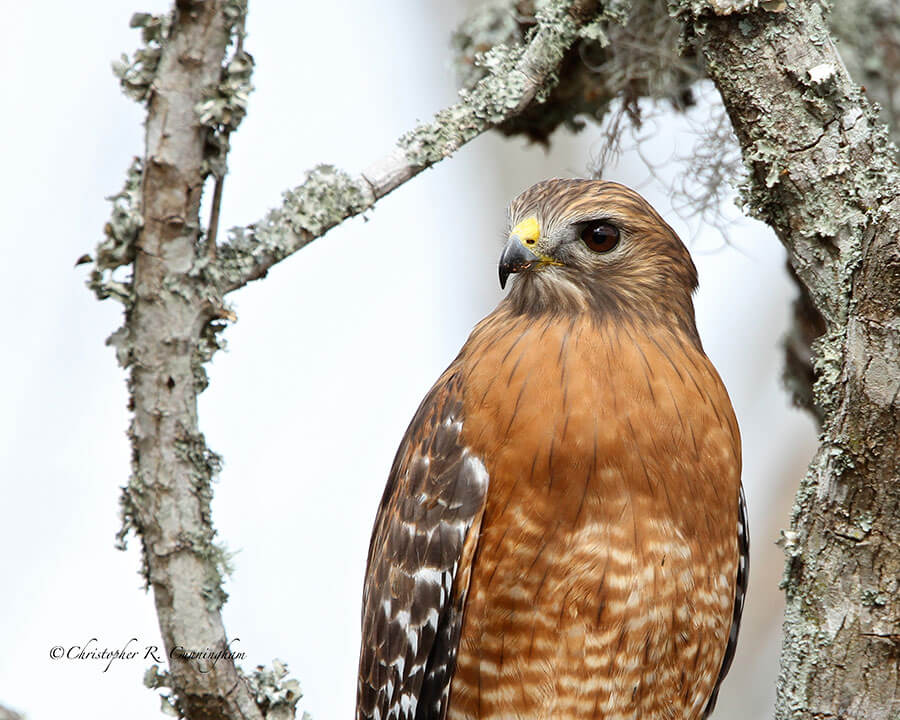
x: 275, y: 693
x: 208, y: 344
x: 869, y: 35
x: 115, y: 251
x: 120, y: 235
x: 137, y: 73
x: 206, y: 465
x: 630, y: 50
x: 130, y: 496
x: 223, y: 109
x: 499, y: 89
x: 326, y: 197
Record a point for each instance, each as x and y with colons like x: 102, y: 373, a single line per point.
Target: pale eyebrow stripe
x: 597, y: 214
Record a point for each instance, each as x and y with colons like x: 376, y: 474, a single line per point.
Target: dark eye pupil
x: 600, y: 236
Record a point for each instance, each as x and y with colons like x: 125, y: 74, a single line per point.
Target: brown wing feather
x: 417, y: 574
x: 740, y: 593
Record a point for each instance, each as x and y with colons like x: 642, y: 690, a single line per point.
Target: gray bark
x: 823, y: 175
x: 168, y: 496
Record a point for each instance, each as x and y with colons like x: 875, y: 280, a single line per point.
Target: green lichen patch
x: 873, y: 598
x: 136, y: 74
x: 827, y: 363
x: 156, y: 679
x: 129, y: 498
x: 326, y: 197
x: 120, y: 236
x: 192, y: 449
x: 498, y: 58
x: 274, y: 690
x: 209, y: 342
x: 223, y: 109
x: 488, y: 103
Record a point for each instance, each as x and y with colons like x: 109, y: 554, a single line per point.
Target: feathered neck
x: 557, y: 291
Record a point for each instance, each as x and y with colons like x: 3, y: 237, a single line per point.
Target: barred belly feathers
x: 563, y: 533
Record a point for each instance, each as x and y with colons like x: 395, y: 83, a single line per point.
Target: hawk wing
x: 418, y: 568
x: 740, y: 593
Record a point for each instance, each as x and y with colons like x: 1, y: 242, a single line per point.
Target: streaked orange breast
x: 604, y: 576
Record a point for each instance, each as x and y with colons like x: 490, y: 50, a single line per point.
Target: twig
x: 213, y: 229
x: 239, y: 31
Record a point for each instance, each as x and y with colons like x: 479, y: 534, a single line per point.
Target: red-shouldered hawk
x: 563, y: 534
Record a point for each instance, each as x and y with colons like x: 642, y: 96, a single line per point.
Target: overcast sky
x: 331, y: 355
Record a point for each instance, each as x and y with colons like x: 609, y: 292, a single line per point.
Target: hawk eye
x: 600, y: 236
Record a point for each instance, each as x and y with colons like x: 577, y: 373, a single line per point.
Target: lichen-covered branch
x: 194, y: 98
x: 823, y: 174
x: 168, y: 497
x: 516, y: 76
x: 631, y: 51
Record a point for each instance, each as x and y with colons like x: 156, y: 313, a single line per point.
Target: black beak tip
x: 515, y: 258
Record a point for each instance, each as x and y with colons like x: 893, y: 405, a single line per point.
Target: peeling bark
x: 823, y: 175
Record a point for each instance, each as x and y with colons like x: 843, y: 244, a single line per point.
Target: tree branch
x: 168, y: 496
x: 192, y: 100
x: 823, y: 175
x: 518, y: 76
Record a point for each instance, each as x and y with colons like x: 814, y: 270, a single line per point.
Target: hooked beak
x: 515, y: 258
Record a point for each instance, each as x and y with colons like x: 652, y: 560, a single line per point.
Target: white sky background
x: 330, y: 358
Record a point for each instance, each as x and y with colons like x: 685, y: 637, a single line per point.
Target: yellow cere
x: 528, y: 230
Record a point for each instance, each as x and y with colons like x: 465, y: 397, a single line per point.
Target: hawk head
x: 595, y: 246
